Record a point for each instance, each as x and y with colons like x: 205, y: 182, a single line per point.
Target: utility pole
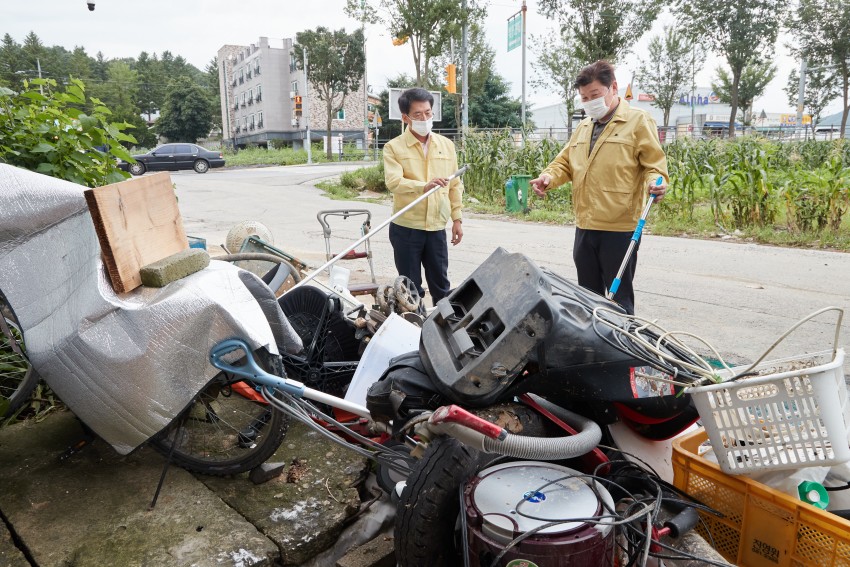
x: 365, y: 87
x: 693, y: 88
x: 307, y: 112
x: 38, y: 66
x: 802, y: 93
x: 524, y: 10
x: 465, y: 62
x: 226, y: 104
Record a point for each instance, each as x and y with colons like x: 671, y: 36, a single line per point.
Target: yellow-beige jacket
x: 610, y: 183
x: 406, y: 172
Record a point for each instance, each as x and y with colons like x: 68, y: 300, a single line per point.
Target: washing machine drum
x: 508, y: 500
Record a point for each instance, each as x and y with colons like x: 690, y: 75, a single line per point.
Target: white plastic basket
x: 792, y: 414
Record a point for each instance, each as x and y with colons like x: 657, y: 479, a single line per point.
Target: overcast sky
x: 196, y: 29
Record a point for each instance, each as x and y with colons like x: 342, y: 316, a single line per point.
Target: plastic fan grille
x: 330, y: 348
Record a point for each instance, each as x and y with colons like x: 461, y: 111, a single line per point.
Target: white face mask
x: 596, y: 108
x: 422, y: 127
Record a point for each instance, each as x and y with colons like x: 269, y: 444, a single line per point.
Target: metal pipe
x: 615, y: 285
x: 371, y: 233
x: 524, y: 11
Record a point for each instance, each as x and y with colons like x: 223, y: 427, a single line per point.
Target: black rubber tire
x: 210, y: 430
x: 386, y: 477
x: 429, y: 506
x: 201, y: 166
x: 17, y: 377
x: 137, y: 169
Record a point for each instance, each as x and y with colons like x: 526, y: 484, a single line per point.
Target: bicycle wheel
x: 17, y: 377
x: 226, y: 430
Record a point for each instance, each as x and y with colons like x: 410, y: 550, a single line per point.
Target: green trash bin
x: 516, y: 193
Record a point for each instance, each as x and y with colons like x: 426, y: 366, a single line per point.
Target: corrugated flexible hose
x: 532, y: 448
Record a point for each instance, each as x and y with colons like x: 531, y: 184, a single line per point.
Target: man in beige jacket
x: 613, y: 159
x: 414, y: 163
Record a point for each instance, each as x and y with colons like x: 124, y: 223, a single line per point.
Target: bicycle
x: 18, y: 379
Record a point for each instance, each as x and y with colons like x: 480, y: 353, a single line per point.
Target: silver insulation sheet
x: 126, y: 364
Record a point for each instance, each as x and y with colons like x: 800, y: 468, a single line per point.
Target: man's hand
x: 457, y: 232
x: 657, y: 190
x: 441, y: 181
x: 541, y: 184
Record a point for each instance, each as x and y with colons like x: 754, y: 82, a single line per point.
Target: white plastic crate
x: 792, y: 414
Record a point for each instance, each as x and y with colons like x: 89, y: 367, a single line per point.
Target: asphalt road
x: 739, y: 296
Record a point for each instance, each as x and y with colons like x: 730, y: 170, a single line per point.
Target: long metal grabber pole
x: 615, y: 285
x: 374, y: 231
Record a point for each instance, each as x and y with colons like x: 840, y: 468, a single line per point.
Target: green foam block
x: 174, y: 267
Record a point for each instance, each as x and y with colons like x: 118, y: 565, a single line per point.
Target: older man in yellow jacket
x: 614, y: 160
x: 414, y: 163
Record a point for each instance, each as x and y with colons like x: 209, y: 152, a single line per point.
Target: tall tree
x: 119, y: 91
x: 494, y: 108
x: 754, y: 79
x: 79, y: 64
x: 211, y: 80
x: 32, y: 51
x: 822, y: 31
x: 100, y: 67
x: 425, y: 25
x: 11, y: 61
x: 741, y: 31
x: 603, y: 29
x: 821, y: 89
x: 668, y: 70
x: 336, y: 65
x: 151, y: 94
x: 557, y: 66
x: 186, y: 113
x: 481, y: 60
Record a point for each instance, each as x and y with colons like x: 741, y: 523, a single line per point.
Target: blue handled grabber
x: 615, y: 285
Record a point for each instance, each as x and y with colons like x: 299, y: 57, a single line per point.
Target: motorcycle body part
x: 507, y: 314
x: 499, y: 503
x: 404, y: 390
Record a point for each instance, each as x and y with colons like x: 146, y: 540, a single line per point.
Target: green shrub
x: 818, y: 199
x: 48, y: 132
x: 365, y: 179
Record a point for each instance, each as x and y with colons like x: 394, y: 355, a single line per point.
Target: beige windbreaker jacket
x: 610, y: 183
x: 407, y: 171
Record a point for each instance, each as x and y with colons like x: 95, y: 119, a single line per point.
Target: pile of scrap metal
x: 401, y: 298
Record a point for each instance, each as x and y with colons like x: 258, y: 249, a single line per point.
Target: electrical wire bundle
x: 305, y: 412
x: 665, y: 351
x: 647, y: 341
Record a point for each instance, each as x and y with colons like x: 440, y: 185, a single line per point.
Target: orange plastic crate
x: 762, y: 526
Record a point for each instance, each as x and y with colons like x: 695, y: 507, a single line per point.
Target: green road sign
x: 515, y: 31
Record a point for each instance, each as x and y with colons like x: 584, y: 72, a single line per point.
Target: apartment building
x: 259, y: 86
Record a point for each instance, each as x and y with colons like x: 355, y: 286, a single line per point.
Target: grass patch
x: 365, y: 179
x: 262, y: 156
x: 702, y: 225
x: 335, y: 190
x: 669, y: 218
x: 284, y: 156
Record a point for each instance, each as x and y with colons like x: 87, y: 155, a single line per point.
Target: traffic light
x: 298, y: 105
x: 451, y: 78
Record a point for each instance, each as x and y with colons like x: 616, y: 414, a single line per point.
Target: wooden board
x: 137, y: 222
